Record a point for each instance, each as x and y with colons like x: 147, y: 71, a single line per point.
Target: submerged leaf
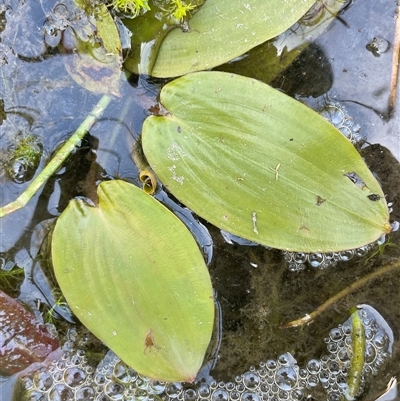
x: 23, y: 339
x: 263, y: 166
x: 135, y: 277
x: 96, y: 57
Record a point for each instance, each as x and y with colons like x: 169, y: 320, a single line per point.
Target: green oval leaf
x: 134, y: 276
x: 263, y: 166
x: 222, y: 30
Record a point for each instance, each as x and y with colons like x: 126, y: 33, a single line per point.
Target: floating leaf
x: 220, y: 31
x: 263, y: 166
x: 266, y: 61
x: 134, y: 276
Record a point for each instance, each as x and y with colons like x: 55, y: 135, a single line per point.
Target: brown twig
x: 352, y: 287
x: 395, y: 63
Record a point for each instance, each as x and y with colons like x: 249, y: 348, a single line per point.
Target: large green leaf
x: 263, y: 166
x: 135, y: 277
x: 220, y: 31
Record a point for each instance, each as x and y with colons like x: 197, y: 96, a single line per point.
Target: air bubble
x: 362, y: 251
x: 99, y: 379
x: 346, y: 329
x: 334, y: 368
x: 346, y: 131
x: 190, y: 395
x: 74, y: 377
x: 156, y: 387
x: 220, y: 395
x: 370, y: 353
x: 142, y: 383
x: 333, y: 113
x: 250, y: 396
x: 313, y: 366
x: 60, y: 392
x: 332, y: 348
x: 323, y: 376
x: 335, y: 334
x: 300, y: 257
x: 316, y: 259
x: 303, y: 373
x: 343, y: 355
x: 271, y: 364
x: 381, y: 340
x: 173, y: 389
x: 251, y: 380
x: 85, y: 394
x: 347, y: 255
x: 58, y: 375
x: 120, y: 372
x: 114, y: 390
x: 312, y: 381
x: 297, y: 394
x: 285, y: 359
x: 286, y: 378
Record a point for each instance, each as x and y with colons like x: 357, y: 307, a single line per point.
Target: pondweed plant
x: 178, y: 9
x: 131, y: 8
x: 237, y: 152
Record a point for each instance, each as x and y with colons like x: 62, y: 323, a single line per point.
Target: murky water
x: 256, y: 290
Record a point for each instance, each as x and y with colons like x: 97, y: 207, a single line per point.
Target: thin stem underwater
x: 340, y: 295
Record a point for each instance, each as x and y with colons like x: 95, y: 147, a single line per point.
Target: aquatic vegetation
x: 180, y: 9
x: 9, y: 276
x: 131, y: 8
x: 51, y: 315
x: 118, y: 231
x: 23, y: 157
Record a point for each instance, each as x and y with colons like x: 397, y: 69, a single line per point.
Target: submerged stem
x: 56, y: 162
x: 348, y: 290
x: 395, y: 63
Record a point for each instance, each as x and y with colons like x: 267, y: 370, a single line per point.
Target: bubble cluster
x: 337, y: 115
x: 72, y: 378
x: 299, y: 260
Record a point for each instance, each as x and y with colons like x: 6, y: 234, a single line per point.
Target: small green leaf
x: 134, y: 276
x: 222, y: 30
x: 263, y: 166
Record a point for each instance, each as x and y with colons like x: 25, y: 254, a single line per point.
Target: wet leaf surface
x: 135, y: 277
x: 220, y: 31
x: 261, y: 165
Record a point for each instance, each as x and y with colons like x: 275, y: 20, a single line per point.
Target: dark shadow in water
x: 309, y: 75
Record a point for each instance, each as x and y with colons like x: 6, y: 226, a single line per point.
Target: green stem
x: 357, y: 359
x: 56, y: 162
